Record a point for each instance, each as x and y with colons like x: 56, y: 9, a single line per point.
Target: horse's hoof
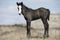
x: 47, y: 36
x: 44, y: 36
x: 28, y: 36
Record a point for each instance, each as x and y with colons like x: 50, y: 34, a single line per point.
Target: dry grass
x: 18, y: 32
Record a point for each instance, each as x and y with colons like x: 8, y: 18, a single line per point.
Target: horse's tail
x: 48, y: 17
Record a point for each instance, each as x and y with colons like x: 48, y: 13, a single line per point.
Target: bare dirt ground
x: 16, y: 32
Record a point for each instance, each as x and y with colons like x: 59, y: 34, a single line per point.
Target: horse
x: 34, y: 14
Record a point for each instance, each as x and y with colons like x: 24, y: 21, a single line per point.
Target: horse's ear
x: 21, y: 3
x: 17, y: 3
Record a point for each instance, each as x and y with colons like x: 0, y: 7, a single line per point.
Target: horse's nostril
x: 19, y: 14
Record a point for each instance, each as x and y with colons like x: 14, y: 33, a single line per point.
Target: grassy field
x: 18, y: 32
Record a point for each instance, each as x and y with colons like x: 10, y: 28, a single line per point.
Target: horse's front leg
x: 28, y: 28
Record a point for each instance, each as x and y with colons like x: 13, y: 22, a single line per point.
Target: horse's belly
x: 35, y: 18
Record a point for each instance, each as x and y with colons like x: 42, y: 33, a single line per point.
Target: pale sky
x: 9, y: 13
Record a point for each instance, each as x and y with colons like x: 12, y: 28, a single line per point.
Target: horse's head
x: 19, y: 6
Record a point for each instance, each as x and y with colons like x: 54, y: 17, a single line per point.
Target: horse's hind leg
x: 46, y: 28
x: 28, y: 28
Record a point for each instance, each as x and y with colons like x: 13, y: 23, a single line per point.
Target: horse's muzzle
x: 19, y: 14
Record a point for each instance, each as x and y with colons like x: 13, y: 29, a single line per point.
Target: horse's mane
x: 27, y: 7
